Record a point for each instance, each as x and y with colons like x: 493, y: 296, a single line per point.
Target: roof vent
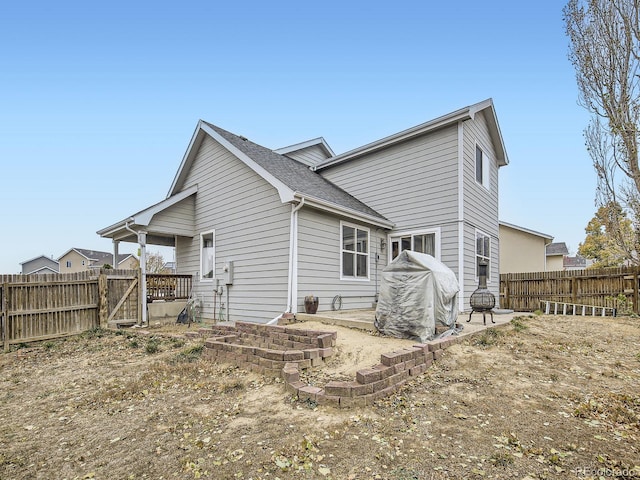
x: 242, y: 138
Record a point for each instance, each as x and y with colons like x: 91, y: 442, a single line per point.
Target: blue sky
x: 98, y: 100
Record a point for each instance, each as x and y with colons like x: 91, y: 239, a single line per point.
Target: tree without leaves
x: 155, y: 263
x: 605, y: 51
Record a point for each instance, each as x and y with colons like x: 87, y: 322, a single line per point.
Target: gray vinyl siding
x: 319, y: 252
x: 39, y: 263
x: 309, y: 156
x: 471, y: 281
x: 480, y: 205
x: 177, y: 219
x: 414, y: 184
x: 251, y: 229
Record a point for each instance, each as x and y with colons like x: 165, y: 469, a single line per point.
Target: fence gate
x: 119, y: 300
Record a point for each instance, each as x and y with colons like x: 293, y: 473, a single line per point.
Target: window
x: 355, y: 252
x: 207, y: 255
x: 483, y: 252
x: 68, y: 263
x: 423, y: 242
x: 482, y: 168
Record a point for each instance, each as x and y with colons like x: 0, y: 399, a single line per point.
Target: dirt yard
x: 537, y: 398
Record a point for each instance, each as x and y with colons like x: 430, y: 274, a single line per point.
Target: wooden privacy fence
x: 604, y: 287
x: 40, y: 307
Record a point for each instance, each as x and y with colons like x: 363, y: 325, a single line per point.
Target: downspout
x: 292, y: 277
x: 293, y: 258
x: 461, y: 197
x: 142, y: 241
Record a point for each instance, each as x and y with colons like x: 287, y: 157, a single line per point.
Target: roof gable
x: 526, y: 230
x: 39, y: 257
x: 319, y: 142
x: 558, y: 248
x: 466, y: 113
x: 292, y: 179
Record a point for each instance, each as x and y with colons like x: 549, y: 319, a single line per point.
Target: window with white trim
x: 207, y: 255
x: 483, y: 252
x: 482, y: 168
x: 425, y: 241
x: 354, y: 258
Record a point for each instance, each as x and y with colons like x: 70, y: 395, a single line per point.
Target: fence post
x: 5, y: 318
x: 103, y: 306
x: 635, y: 292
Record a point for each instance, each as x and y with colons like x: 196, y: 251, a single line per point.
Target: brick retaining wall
x: 282, y: 352
x: 372, y: 383
x: 266, y: 349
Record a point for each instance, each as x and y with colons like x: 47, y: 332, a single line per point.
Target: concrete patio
x: 363, y: 319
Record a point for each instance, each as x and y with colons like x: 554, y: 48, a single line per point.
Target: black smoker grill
x: 482, y: 300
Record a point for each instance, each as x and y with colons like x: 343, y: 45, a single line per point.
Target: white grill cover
x: 417, y: 292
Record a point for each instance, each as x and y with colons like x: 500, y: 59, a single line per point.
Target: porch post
x: 116, y: 244
x: 142, y: 240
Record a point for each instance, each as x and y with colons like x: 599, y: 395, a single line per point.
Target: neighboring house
x: 169, y: 267
x: 577, y: 263
x: 523, y: 250
x: 39, y: 265
x: 80, y: 260
x: 556, y: 252
x: 264, y: 228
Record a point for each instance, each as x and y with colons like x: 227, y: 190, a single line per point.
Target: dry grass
x: 539, y: 398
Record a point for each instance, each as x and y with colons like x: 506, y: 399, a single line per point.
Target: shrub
x: 153, y: 346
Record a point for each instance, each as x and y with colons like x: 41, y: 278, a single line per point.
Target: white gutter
x: 142, y: 241
x: 292, y: 289
x: 344, y: 211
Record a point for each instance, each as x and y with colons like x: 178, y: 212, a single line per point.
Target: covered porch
x: 161, y: 224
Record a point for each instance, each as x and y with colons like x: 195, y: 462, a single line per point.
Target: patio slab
x: 363, y: 319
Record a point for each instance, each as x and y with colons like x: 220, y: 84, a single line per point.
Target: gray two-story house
x: 260, y: 229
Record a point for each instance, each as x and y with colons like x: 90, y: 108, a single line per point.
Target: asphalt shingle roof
x: 558, y: 248
x: 297, y: 176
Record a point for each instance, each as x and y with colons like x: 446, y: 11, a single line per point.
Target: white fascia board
x: 309, y: 143
x: 345, y: 212
x: 526, y: 230
x: 286, y: 193
x: 40, y: 270
x: 196, y: 138
x: 494, y: 129
x: 39, y: 256
x: 144, y: 217
x: 72, y: 250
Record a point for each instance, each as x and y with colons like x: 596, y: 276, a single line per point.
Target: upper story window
x: 68, y: 263
x: 354, y: 260
x: 482, y: 167
x: 207, y: 255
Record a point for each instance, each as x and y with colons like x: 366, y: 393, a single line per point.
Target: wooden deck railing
x: 161, y: 286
